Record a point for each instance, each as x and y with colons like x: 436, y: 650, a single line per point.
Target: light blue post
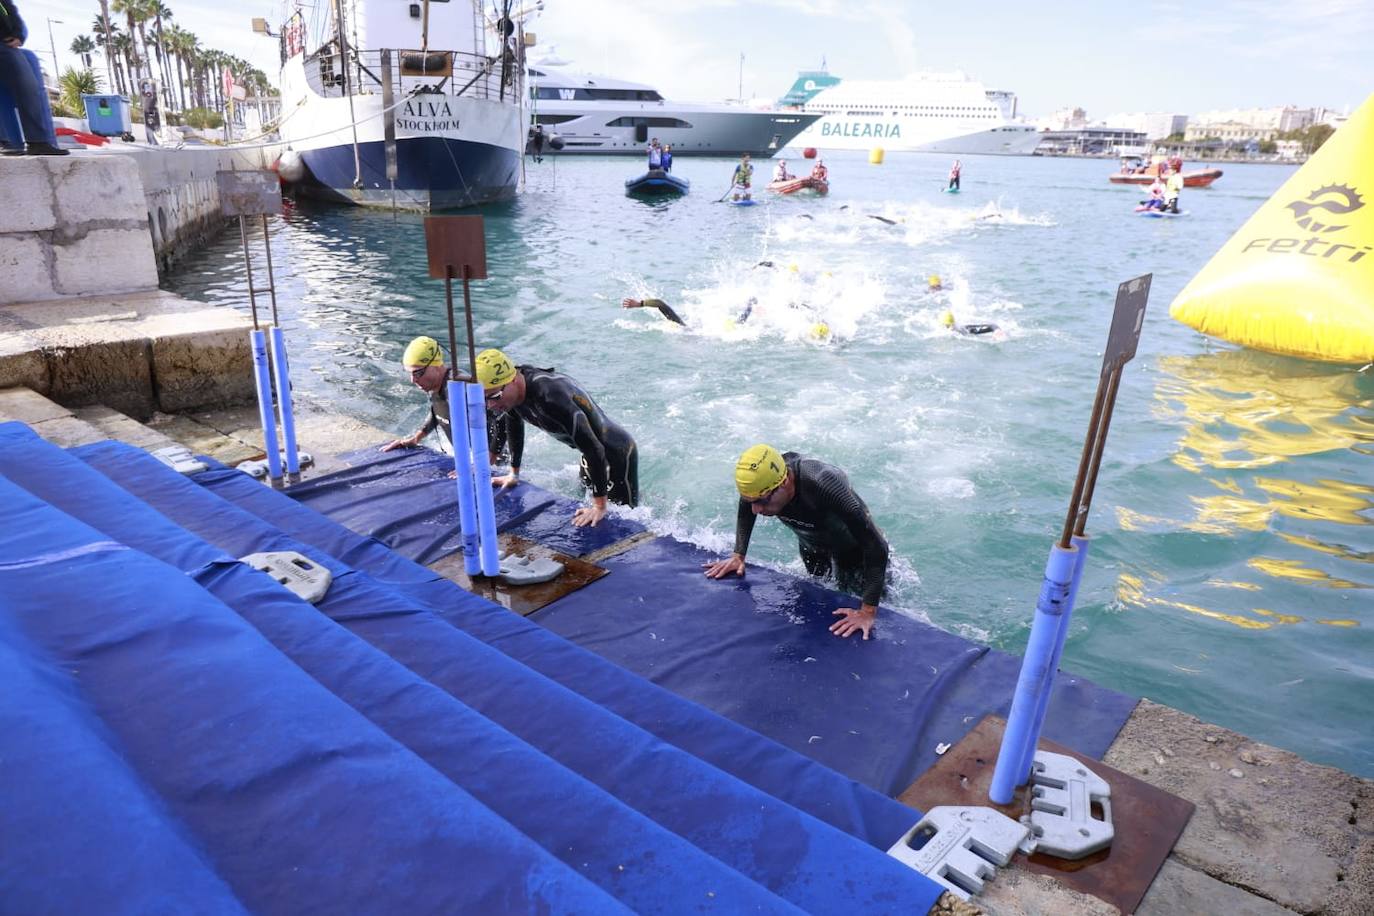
x: 462, y: 463
x: 481, y: 479
x: 1035, y: 673
x: 282, y: 371
x: 1081, y: 542
x: 261, y: 375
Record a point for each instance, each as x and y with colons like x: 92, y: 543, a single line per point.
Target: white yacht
x: 420, y: 107
x: 597, y: 114
x: 928, y: 112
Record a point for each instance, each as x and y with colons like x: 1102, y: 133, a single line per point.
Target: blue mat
x: 758, y: 650
x: 290, y: 792
x: 666, y: 785
x: 405, y: 499
x: 757, y: 760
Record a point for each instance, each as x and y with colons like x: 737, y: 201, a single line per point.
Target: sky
x: 1101, y: 56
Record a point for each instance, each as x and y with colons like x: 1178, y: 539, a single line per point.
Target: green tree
x: 83, y: 47
x: 73, y: 84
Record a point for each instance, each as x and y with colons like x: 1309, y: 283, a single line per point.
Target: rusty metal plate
x: 251, y: 193
x: 1148, y: 820
x: 456, y: 242
x: 522, y: 599
x: 1128, y: 316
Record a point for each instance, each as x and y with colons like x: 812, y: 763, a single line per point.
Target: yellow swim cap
x: 494, y: 368
x: 793, y: 267
x: 422, y: 351
x: 947, y: 319
x: 820, y: 330
x: 759, y: 470
x: 933, y: 281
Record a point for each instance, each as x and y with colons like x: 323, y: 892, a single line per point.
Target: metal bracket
x: 180, y: 459
x: 300, y: 575
x: 1063, y: 792
x: 960, y: 847
x: 257, y: 467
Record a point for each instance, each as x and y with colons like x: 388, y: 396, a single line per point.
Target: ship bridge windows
x: 581, y: 94
x: 555, y: 119
x: 647, y: 122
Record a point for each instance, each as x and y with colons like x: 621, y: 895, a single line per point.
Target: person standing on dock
x: 835, y: 532
x: 557, y: 404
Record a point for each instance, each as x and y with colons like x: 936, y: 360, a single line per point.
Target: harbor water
x: 1233, y: 523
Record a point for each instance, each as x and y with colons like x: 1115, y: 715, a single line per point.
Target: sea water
x: 1230, y: 573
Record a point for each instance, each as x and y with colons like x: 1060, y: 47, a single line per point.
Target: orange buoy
x: 809, y: 153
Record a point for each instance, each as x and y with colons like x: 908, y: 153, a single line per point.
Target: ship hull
x: 844, y: 133
x: 432, y: 173
x: 585, y: 129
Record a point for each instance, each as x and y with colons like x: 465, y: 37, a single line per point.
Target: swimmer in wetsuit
x: 835, y: 532
x: 968, y: 330
x: 667, y: 312
x: 556, y: 404
x: 424, y: 360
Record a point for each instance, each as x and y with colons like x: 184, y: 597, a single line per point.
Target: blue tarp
x: 417, y: 512
x: 758, y: 650
x: 296, y: 799
x: 816, y: 866
x: 761, y: 762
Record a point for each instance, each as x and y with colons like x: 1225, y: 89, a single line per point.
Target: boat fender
x: 554, y: 142
x: 290, y: 166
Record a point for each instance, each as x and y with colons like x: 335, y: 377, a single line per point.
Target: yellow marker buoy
x: 875, y: 156
x: 1298, y: 277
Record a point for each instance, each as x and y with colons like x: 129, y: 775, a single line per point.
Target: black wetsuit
x: 558, y: 405
x: 973, y: 330
x: 439, y: 419
x: 665, y: 310
x: 835, y: 532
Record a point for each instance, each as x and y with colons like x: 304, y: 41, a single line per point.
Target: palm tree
x: 180, y: 43
x: 82, y: 46
x: 125, y: 46
x: 105, y: 32
x: 159, y: 12
x: 76, y: 83
x: 130, y: 9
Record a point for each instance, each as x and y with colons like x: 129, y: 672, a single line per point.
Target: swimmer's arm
x: 413, y: 441
x: 515, y: 438
x: 664, y: 308
x: 845, y: 503
x: 744, y: 527
x: 584, y: 437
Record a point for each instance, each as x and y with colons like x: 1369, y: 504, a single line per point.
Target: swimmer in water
x: 934, y: 284
x: 968, y: 330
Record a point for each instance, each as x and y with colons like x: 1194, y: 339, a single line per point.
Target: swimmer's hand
x: 453, y: 475
x: 733, y: 565
x: 504, y: 482
x: 590, y: 515
x: 407, y: 442
x: 854, y: 620
x: 628, y: 303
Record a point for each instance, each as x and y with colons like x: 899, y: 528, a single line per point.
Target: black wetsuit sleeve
x: 430, y: 424
x: 515, y: 438
x: 744, y: 527
x: 839, y: 498
x: 584, y: 437
x: 665, y: 310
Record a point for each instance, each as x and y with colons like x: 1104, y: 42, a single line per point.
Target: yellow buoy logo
x: 1333, y: 198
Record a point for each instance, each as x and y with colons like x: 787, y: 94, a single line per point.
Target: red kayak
x: 793, y: 185
x: 1199, y: 178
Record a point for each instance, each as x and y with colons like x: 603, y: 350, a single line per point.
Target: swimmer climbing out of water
x: 836, y: 534
x: 557, y: 404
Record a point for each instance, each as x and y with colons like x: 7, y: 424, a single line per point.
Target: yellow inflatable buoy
x: 1298, y: 277
x: 875, y: 156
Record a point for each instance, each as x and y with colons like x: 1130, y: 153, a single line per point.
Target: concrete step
x: 50, y: 420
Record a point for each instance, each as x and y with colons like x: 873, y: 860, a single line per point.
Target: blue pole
x: 462, y: 463
x: 269, y: 424
x: 1081, y: 542
x: 288, y: 417
x: 481, y: 479
x: 1035, y: 671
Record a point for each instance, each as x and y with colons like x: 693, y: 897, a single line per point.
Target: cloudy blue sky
x: 1106, y: 57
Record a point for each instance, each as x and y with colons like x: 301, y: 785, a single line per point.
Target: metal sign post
x: 457, y: 248
x: 1064, y: 569
x: 258, y: 193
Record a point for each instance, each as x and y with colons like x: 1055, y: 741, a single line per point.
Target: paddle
x: 726, y: 194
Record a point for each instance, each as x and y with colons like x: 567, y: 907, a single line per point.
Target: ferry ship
x: 421, y: 111
x: 597, y: 114
x: 926, y: 112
